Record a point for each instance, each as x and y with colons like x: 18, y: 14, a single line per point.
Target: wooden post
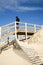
x: 15, y: 31
x: 26, y: 30
x: 34, y: 28
x: 0, y: 32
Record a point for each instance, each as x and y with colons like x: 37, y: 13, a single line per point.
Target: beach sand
x: 18, y: 57
x: 13, y: 57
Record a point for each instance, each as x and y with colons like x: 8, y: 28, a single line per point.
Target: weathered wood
x: 19, y: 32
x: 24, y: 28
x: 0, y: 32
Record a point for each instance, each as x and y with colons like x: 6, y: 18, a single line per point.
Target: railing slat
x: 22, y: 27
x: 0, y: 32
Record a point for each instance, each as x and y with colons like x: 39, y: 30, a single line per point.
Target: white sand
x: 32, y: 50
x: 38, y: 48
x: 10, y: 57
x: 37, y: 37
x: 16, y: 57
x: 36, y: 41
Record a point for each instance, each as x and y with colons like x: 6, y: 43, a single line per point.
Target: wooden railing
x: 22, y: 26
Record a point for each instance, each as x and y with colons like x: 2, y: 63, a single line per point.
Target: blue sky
x: 30, y: 11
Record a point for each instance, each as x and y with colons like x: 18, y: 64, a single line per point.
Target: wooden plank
x: 0, y: 32
x: 13, y: 32
x: 22, y: 30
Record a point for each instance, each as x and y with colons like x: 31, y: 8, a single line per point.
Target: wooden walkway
x: 24, y: 29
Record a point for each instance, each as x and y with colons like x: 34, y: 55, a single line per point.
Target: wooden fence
x: 9, y: 29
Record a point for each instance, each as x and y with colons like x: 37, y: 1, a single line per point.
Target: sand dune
x: 37, y: 37
x: 13, y: 57
x: 18, y: 57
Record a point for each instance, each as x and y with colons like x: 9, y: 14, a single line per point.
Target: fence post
x: 26, y: 30
x: 15, y: 31
x: 0, y: 32
x: 34, y: 28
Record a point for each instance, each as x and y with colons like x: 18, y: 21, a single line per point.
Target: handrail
x: 19, y: 23
x: 8, y: 26
x: 22, y: 26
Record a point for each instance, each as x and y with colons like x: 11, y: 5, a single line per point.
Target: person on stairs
x: 17, y: 23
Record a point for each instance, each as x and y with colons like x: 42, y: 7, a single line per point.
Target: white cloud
x: 8, y: 4
x: 30, y: 8
x: 15, y: 5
